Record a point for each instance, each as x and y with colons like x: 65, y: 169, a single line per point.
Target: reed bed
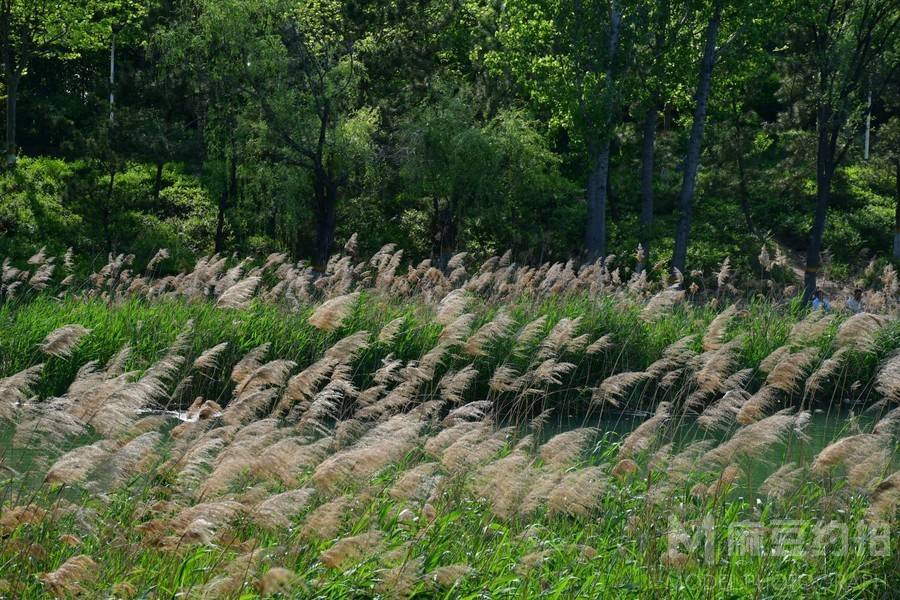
x: 258, y: 430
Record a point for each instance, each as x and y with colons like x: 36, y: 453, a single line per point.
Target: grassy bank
x: 442, y: 444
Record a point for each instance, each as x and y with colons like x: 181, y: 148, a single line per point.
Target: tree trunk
x: 897, y: 213
x: 220, y: 220
x: 326, y: 190
x: 824, y: 175
x: 598, y: 178
x: 595, y: 234
x: 12, y: 99
x: 647, y: 154
x: 692, y: 159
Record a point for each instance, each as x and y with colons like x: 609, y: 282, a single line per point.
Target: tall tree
x: 598, y: 146
x: 655, y: 81
x: 567, y: 56
x: 845, y: 42
x: 692, y: 157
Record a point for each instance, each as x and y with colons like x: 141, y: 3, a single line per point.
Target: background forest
x: 679, y: 131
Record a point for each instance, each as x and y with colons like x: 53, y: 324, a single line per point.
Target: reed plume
x: 755, y: 407
x: 614, y: 388
x: 661, y: 304
x: 332, y: 313
x: 449, y: 576
x: 277, y: 511
x: 529, y: 334
x: 325, y: 521
x: 249, y: 363
x: 887, y: 381
x: 644, y: 435
x: 73, y: 466
x: 783, y: 482
x: 451, y: 307
x: 579, y: 493
x: 454, y: 384
x: 71, y: 576
x: 473, y: 411
x: 848, y: 450
x: 15, y: 388
x: 885, y: 499
x: 496, y: 328
x: 417, y: 483
x: 565, y: 449
x: 62, y: 341
x: 722, y: 413
x: 786, y: 375
x: 859, y: 331
x: 715, y: 332
x: 754, y: 438
x: 601, y: 344
x: 209, y: 359
x: 352, y: 550
x: 389, y: 332
x: 825, y: 371
x: 239, y: 294
x: 384, y: 444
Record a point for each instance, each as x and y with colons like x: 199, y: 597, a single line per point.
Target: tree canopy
x: 679, y: 131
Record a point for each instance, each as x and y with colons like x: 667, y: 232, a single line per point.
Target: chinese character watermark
x: 780, y: 538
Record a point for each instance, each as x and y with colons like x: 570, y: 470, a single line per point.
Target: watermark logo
x: 778, y: 538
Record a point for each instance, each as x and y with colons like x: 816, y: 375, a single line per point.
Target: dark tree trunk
x: 595, y: 235
x: 12, y: 99
x: 220, y: 220
x: 825, y: 166
x: 443, y: 232
x: 692, y: 159
x: 326, y: 191
x: 647, y: 154
x: 611, y: 200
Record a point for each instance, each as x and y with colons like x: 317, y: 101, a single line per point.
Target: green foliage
x: 35, y: 207
x: 440, y: 126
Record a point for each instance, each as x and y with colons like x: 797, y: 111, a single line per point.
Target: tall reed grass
x: 256, y: 431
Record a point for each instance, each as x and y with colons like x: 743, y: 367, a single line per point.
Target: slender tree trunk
x: 692, y: 159
x: 447, y: 228
x: 326, y: 191
x: 897, y: 212
x: 12, y: 100
x: 611, y: 200
x: 647, y: 155
x: 598, y: 178
x: 220, y: 221
x: 824, y: 174
x: 597, y: 194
